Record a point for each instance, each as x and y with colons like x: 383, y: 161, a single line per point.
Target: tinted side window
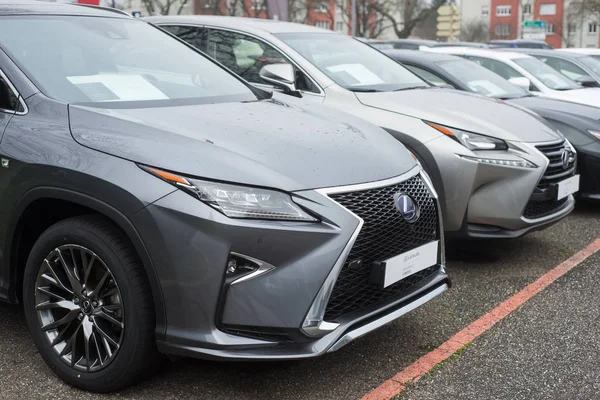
x: 246, y: 55
x: 188, y: 33
x: 9, y: 101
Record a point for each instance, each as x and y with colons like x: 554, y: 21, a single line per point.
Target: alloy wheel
x: 80, y: 308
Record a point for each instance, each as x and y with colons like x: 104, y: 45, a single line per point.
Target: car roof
x: 419, y: 56
x: 550, y: 53
x: 27, y: 7
x: 582, y: 50
x: 249, y: 24
x: 488, y: 53
x: 517, y: 41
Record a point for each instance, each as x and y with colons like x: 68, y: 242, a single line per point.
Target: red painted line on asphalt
x: 423, y: 365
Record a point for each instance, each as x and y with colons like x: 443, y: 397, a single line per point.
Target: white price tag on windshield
x: 113, y: 87
x: 359, y: 72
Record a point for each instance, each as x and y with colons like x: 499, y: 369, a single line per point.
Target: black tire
x: 137, y: 356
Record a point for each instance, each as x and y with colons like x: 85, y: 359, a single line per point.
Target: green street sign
x: 535, y: 24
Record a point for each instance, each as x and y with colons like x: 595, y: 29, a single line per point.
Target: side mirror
x: 587, y: 81
x: 521, y: 82
x: 280, y: 75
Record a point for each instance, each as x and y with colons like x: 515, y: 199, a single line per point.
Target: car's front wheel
x: 88, y: 305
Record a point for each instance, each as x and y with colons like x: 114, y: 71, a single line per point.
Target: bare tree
x: 588, y: 9
x: 164, y: 7
x: 475, y: 30
x: 369, y: 23
x: 404, y: 15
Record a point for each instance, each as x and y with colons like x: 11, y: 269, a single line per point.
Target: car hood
x: 267, y: 143
x: 545, y: 103
x: 589, y: 96
x: 467, y: 111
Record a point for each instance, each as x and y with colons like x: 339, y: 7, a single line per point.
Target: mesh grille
x: 539, y: 209
x: 384, y: 234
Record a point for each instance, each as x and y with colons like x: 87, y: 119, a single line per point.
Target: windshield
x: 545, y: 74
x: 96, y: 60
x: 591, y: 63
x: 596, y: 57
x: 481, y: 80
x: 351, y: 64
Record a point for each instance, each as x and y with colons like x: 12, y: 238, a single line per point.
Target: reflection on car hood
x: 589, y: 96
x: 466, y: 111
x: 264, y: 143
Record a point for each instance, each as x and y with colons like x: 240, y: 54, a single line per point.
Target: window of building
x: 572, y: 27
x: 258, y: 5
x: 527, y: 9
x: 593, y: 27
x: 550, y: 29
x: 485, y: 11
x: 548, y: 9
x: 502, y: 30
x: 322, y: 24
x: 503, y: 11
x: 339, y: 26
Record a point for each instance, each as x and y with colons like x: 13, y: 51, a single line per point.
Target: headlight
x: 238, y: 201
x: 522, y: 163
x: 594, y: 133
x: 472, y: 141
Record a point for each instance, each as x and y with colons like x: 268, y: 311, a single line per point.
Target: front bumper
x: 269, y: 316
x: 483, y: 200
x: 589, y: 168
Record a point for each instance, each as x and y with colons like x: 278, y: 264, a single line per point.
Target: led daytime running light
x: 506, y: 163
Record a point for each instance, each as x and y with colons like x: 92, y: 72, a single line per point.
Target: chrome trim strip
x: 19, y: 97
x: 363, y: 330
x: 442, y: 249
x: 262, y: 268
x: 370, y: 185
x: 313, y: 324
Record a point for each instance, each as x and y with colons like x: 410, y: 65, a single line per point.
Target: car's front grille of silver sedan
x: 384, y: 234
x: 556, y: 170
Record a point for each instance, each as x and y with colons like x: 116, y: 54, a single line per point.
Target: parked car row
x: 237, y: 189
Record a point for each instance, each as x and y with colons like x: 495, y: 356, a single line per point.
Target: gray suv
x: 153, y: 202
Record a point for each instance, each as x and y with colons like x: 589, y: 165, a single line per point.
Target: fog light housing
x: 241, y: 267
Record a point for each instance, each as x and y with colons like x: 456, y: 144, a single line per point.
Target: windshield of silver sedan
x: 100, y: 60
x: 352, y: 64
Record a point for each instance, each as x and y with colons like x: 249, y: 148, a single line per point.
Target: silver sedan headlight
x: 472, y: 141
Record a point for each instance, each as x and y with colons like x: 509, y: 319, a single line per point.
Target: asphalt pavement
x: 546, y: 349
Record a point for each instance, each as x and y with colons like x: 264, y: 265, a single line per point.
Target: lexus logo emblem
x: 566, y: 155
x: 408, y: 208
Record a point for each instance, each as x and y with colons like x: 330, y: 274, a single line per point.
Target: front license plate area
x: 392, y: 270
x: 567, y: 187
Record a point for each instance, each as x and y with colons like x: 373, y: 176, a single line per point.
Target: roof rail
x: 110, y: 9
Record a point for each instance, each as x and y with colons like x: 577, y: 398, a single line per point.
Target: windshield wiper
x: 363, y: 90
x: 412, y: 88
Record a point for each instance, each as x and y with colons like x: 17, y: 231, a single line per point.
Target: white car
x: 592, y: 52
x: 541, y: 80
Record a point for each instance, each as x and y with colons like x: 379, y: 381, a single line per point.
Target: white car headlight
x: 472, y: 141
x: 238, y: 201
